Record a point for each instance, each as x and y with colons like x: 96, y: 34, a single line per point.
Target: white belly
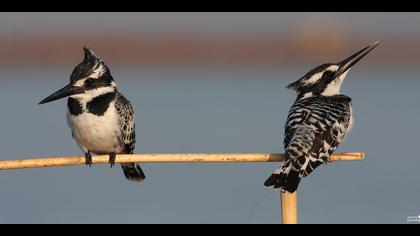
x: 98, y: 134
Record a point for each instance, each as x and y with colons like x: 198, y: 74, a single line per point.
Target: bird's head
x: 89, y: 79
x: 327, y: 79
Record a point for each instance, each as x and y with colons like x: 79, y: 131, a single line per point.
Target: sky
x: 188, y: 110
x: 368, y: 23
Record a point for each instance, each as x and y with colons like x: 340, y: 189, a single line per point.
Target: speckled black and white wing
x: 127, y: 125
x: 314, y: 129
x: 132, y: 171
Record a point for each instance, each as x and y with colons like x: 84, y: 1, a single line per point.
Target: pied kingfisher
x: 101, y: 118
x: 317, y: 122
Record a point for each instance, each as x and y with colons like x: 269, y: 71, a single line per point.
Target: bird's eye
x: 89, y: 82
x: 328, y: 74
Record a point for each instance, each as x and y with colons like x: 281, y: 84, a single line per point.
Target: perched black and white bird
x: 317, y: 122
x: 101, y: 118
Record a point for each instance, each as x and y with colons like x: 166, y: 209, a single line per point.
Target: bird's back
x: 316, y: 125
x: 314, y: 129
x: 318, y: 114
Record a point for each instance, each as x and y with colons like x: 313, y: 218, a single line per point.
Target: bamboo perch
x: 289, y: 210
x: 156, y: 158
x: 288, y: 200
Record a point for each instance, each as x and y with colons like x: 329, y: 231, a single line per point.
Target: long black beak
x: 353, y: 59
x: 68, y: 90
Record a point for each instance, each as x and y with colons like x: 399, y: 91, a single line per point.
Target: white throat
x: 334, y: 87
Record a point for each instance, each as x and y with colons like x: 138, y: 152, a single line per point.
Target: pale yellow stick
x: 289, y: 207
x: 288, y: 200
x: 156, y: 158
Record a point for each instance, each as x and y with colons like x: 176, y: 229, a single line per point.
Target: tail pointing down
x: 133, y: 172
x: 285, y: 178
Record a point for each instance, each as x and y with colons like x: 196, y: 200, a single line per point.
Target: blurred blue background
x: 210, y: 82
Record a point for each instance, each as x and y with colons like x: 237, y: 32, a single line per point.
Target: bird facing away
x: 101, y: 118
x: 317, y: 122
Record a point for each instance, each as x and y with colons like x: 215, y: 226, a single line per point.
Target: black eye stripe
x: 327, y: 74
x: 103, y: 81
x: 89, y: 81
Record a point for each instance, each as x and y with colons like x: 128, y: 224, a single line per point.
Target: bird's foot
x: 88, y: 158
x: 112, y: 157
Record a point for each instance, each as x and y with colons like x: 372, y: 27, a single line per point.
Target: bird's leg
x: 112, y: 159
x: 88, y: 158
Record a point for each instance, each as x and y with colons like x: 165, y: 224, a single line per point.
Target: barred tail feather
x: 133, y: 172
x: 285, y: 178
